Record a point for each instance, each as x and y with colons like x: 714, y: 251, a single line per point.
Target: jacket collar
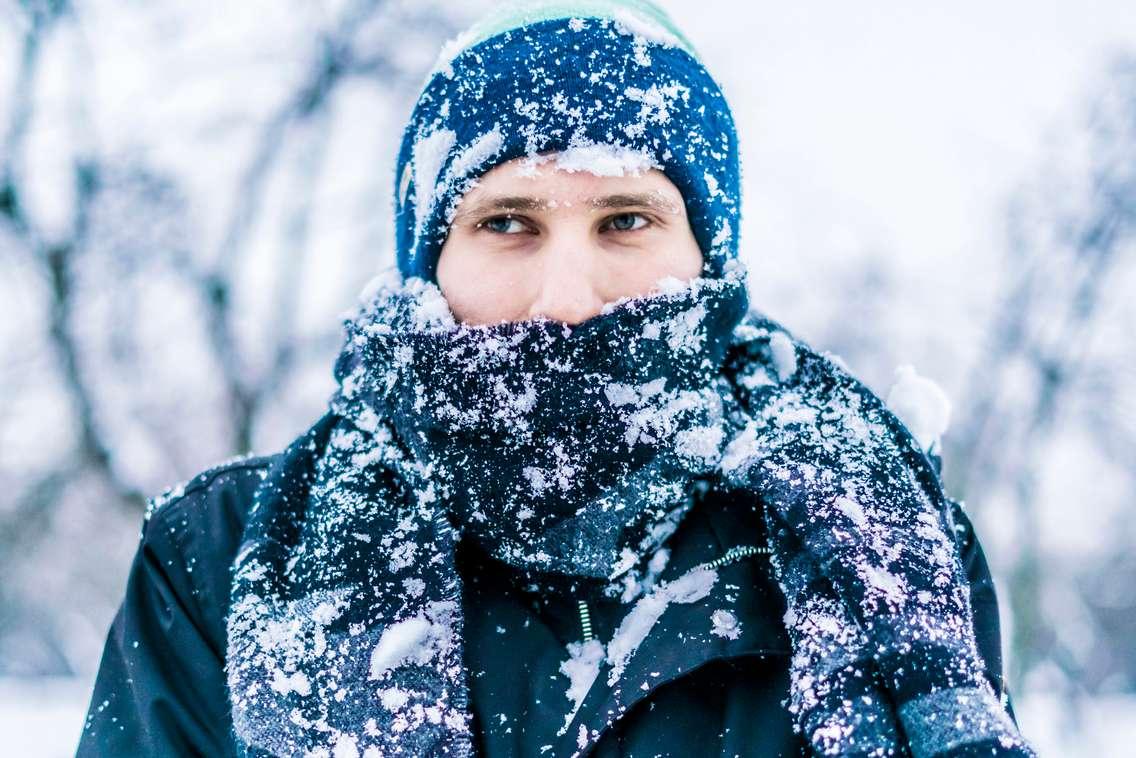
x: 685, y: 636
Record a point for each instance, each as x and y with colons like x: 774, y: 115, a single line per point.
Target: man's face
x: 537, y: 240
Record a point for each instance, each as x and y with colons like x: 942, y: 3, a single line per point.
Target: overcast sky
x: 876, y: 123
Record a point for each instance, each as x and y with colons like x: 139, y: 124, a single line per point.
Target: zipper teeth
x: 736, y: 554
x: 585, y: 620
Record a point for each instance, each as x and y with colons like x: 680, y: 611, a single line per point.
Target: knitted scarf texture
x: 570, y: 450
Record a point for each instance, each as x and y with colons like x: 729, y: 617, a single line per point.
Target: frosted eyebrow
x: 508, y: 203
x: 505, y: 203
x: 636, y: 200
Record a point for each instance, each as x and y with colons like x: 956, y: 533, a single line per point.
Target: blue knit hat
x: 601, y: 75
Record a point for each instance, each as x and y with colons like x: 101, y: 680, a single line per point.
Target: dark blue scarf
x: 571, y: 450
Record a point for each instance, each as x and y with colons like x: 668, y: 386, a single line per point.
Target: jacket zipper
x: 585, y: 620
x: 736, y: 553
x: 733, y: 554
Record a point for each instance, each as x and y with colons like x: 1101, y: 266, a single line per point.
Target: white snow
x: 880, y: 581
x: 725, y: 624
x: 657, y: 103
x: 784, y: 355
x: 600, y: 159
x: 416, y: 640
x: 429, y: 153
x: 402, y: 641
x: 701, y: 443
x: 346, y: 747
x: 295, y: 682
x: 581, y: 668
x: 723, y: 233
x: 394, y: 698
x: 688, y: 588
x: 644, y: 28
x: 921, y: 405
x: 479, y: 151
x: 671, y: 285
x: 635, y: 585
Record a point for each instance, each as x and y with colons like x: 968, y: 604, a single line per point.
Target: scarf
x: 571, y: 450
x: 563, y: 449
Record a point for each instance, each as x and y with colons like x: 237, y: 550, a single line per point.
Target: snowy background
x: 191, y: 193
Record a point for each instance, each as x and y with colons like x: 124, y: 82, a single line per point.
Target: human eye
x: 502, y: 225
x: 628, y: 222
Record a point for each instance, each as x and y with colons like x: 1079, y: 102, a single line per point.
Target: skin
x: 533, y: 241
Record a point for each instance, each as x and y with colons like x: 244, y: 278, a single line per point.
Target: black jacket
x: 161, y: 683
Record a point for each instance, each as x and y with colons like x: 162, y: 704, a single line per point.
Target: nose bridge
x: 567, y: 290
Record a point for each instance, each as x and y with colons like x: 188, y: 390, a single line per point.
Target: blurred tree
x: 1046, y: 439
x: 138, y: 352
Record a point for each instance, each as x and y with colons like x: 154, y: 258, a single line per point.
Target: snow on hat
x: 612, y: 82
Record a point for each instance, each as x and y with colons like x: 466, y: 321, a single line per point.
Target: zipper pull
x: 585, y: 620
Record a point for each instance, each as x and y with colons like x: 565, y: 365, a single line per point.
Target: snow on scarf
x: 570, y: 449
x: 557, y: 448
x: 884, y: 656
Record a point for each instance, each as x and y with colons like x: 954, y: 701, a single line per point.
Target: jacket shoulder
x: 238, y: 475
x: 192, y: 531
x: 160, y: 688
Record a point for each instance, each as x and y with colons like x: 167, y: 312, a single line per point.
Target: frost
x: 482, y: 149
x: 400, y: 642
x: 688, y: 588
x: 429, y: 154
x: 725, y: 624
x: 346, y: 747
x: 581, y: 668
x: 417, y: 640
x: 921, y: 404
x: 296, y: 682
x: 784, y: 355
x: 600, y: 159
x: 637, y: 25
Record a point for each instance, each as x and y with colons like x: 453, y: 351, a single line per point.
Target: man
x: 571, y: 495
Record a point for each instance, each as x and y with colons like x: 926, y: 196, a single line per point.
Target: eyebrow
x: 498, y: 203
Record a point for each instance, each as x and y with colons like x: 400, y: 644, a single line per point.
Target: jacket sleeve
x: 160, y: 687
x: 984, y: 604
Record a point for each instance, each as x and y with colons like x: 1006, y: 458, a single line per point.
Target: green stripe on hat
x: 641, y: 17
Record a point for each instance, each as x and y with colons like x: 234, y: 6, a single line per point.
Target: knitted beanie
x: 611, y: 82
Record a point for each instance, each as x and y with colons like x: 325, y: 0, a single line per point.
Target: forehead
x: 546, y: 178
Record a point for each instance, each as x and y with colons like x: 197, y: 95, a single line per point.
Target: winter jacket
x: 161, y: 687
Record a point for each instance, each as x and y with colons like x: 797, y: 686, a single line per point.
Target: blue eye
x: 502, y: 225
x: 626, y: 222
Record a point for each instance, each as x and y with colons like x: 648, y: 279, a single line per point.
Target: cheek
x: 478, y: 287
x: 636, y: 272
